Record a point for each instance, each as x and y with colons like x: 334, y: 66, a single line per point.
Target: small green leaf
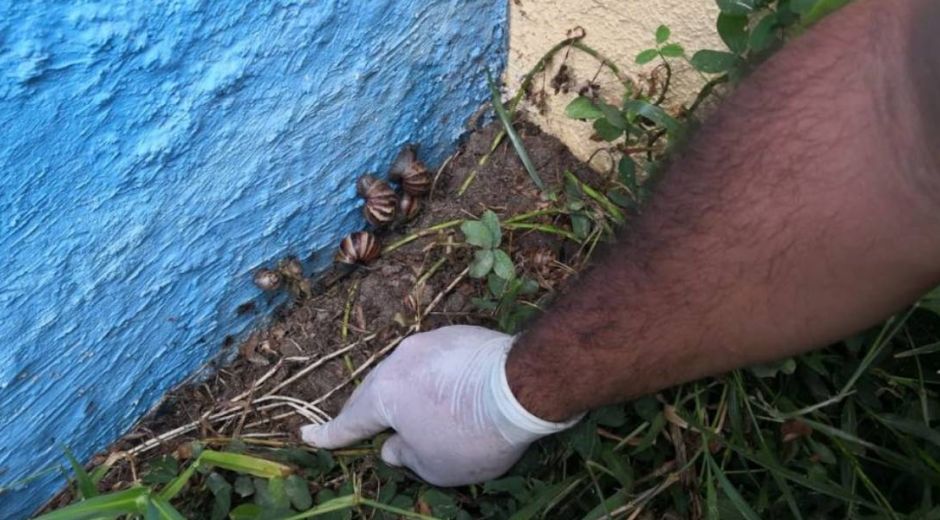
x: 298, y: 492
x: 442, y: 504
x: 502, y: 265
x: 222, y: 493
x: 713, y: 62
x: 673, y: 50
x: 733, y: 31
x: 482, y: 263
x: 496, y: 285
x: 662, y: 34
x: 275, y: 495
x: 802, y: 7
x: 620, y: 197
x: 477, y: 234
x: 646, y: 56
x: 821, y: 9
x: 613, y: 416
x: 612, y: 115
x: 769, y: 370
x: 491, y: 221
x: 580, y: 225
x: 161, y: 471
x: 245, y: 512
x: 514, y: 486
x: 484, y: 304
x: 528, y: 287
x: 764, y: 34
x: 627, y: 170
x: 583, y: 108
x: 606, y: 131
x: 638, y: 107
x: 243, y: 486
x: 738, y: 7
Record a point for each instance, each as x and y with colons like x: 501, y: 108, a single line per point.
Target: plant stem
x: 599, y: 197
x: 422, y: 233
x: 543, y: 228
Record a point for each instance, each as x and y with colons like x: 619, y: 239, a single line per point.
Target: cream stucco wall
x: 619, y: 29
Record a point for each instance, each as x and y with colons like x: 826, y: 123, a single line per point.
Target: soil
x: 381, y: 300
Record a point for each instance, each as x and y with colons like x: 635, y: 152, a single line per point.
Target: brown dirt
x: 311, y: 328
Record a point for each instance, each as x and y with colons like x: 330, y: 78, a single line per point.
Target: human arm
x: 804, y: 210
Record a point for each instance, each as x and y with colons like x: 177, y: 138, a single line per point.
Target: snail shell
x: 267, y: 280
x: 291, y: 268
x: 410, y: 172
x: 408, y: 206
x: 381, y: 201
x: 360, y: 247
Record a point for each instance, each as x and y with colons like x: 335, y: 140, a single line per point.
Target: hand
x: 446, y: 395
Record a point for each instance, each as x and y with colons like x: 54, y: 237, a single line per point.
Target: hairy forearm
x: 805, y: 209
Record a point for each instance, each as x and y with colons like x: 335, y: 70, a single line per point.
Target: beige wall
x: 617, y: 28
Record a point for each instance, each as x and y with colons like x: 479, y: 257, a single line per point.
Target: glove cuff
x: 518, y: 424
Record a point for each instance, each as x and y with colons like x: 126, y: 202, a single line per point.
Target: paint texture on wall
x: 153, y: 154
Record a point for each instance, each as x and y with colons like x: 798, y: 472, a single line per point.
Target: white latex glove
x: 446, y: 395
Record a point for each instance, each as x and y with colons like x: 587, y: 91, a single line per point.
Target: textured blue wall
x: 153, y: 154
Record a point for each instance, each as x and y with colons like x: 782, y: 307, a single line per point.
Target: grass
x: 844, y: 432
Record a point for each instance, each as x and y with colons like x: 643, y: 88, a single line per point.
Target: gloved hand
x: 446, y: 395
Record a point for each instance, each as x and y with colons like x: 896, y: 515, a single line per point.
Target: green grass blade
x: 551, y: 494
x: 910, y: 427
x: 246, y: 464
x: 86, y: 486
x: 349, y: 501
x: 395, y: 510
x: 603, y: 509
x: 919, y: 351
x: 511, y: 132
x: 130, y: 501
x: 330, y: 506
x: 609, y: 207
x: 729, y: 489
x: 164, y: 510
x: 888, y: 331
x: 176, y: 485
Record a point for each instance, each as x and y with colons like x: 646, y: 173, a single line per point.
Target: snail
x: 360, y: 247
x: 267, y: 280
x: 408, y: 206
x: 410, y: 172
x: 292, y: 273
x: 381, y: 200
x: 290, y: 267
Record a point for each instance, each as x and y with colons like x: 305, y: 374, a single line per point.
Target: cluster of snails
x: 288, y: 274
x: 384, y: 206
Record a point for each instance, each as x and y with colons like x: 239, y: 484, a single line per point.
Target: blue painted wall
x: 153, y: 154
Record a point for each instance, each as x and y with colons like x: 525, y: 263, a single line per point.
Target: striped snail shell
x: 267, y: 280
x: 410, y: 172
x: 408, y: 206
x: 381, y: 200
x: 360, y: 247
